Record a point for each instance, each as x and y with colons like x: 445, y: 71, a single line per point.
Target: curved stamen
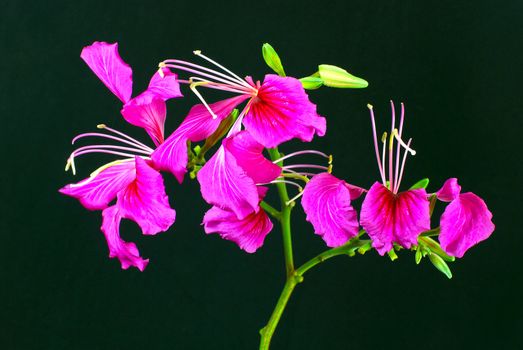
x: 293, y: 199
x: 402, y: 166
x: 193, y: 88
x: 406, y: 146
x: 384, y: 142
x: 210, y: 76
x: 303, y: 152
x: 300, y: 173
x: 281, y: 180
x: 110, y: 147
x: 311, y: 166
x: 217, y: 86
x: 391, y: 147
x: 96, y: 134
x: 199, y: 53
x: 375, y: 137
x: 138, y: 143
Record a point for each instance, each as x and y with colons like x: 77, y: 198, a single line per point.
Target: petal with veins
x: 248, y: 233
x: 147, y: 111
x: 165, y: 87
x: 326, y: 201
x: 465, y: 222
x: 394, y: 218
x: 126, y: 252
x: 145, y: 202
x: 105, y: 61
x: 449, y: 191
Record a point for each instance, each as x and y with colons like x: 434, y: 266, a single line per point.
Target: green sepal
x: 272, y: 59
x: 311, y: 83
x: 337, y: 77
x: 423, y: 183
x: 364, y: 248
x: 418, y: 256
x: 194, y: 172
x: 435, y: 248
x: 220, y: 132
x: 433, y: 200
x: 197, y: 150
x: 440, y: 264
x: 392, y: 255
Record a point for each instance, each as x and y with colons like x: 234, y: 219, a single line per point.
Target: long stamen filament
x: 406, y: 146
x: 293, y: 199
x: 391, y: 147
x: 216, y: 86
x: 217, y: 76
x: 199, y: 53
x: 312, y: 166
x: 384, y: 142
x: 280, y: 180
x: 399, y: 148
x: 193, y: 88
x: 138, y: 143
x: 375, y: 137
x: 303, y: 152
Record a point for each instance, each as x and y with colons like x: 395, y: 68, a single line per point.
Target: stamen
x: 384, y: 141
x: 217, y: 86
x: 178, y: 64
x: 110, y: 147
x: 402, y: 166
x: 406, y: 146
x: 193, y: 88
x: 329, y: 157
x: 399, y: 148
x: 311, y: 166
x: 199, y: 53
x: 375, y: 137
x: 293, y: 199
x: 138, y: 143
x: 391, y: 147
x: 299, y: 173
x: 281, y: 180
x: 237, y: 126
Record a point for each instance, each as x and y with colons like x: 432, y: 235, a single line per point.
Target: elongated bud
x: 440, y: 264
x: 272, y: 59
x: 311, y: 83
x: 423, y: 183
x: 337, y: 77
x: 223, y: 128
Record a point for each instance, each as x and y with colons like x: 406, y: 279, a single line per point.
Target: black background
x: 458, y: 69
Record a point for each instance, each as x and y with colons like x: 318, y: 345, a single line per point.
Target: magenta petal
x: 326, y: 201
x: 248, y: 233
x: 105, y: 61
x: 165, y: 87
x: 198, y: 125
x: 465, y: 222
x: 249, y: 156
x: 147, y: 111
x: 224, y: 184
x: 399, y: 218
x: 97, y: 192
x: 145, y: 202
x: 282, y: 111
x: 126, y: 252
x: 355, y: 191
x: 449, y: 191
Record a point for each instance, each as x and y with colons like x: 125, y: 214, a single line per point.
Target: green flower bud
x: 272, y: 59
x: 311, y: 83
x: 440, y: 264
x: 337, y: 77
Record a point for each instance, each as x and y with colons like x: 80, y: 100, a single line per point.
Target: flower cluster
x: 260, y: 116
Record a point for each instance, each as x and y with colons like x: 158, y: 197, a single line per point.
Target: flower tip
x: 369, y: 106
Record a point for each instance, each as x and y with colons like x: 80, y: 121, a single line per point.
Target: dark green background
x: 458, y: 69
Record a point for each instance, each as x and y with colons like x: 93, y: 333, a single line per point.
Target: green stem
x: 275, y: 213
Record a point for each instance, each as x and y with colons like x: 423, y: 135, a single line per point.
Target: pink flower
x: 466, y: 220
x: 389, y: 216
x: 327, y: 202
x: 229, y: 179
x: 277, y: 110
x: 133, y: 181
x: 147, y: 110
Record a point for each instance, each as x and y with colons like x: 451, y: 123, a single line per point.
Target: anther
x: 101, y: 126
x: 369, y: 106
x: 330, y: 159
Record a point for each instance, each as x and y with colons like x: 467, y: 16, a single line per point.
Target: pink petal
x: 449, y: 191
x: 126, y: 252
x: 147, y: 111
x: 97, y: 192
x: 165, y: 87
x: 145, y: 202
x: 282, y: 111
x: 224, y: 184
x: 326, y: 201
x: 248, y: 233
x: 249, y: 156
x: 465, y: 222
x: 105, y: 61
x: 355, y: 191
x: 198, y: 125
x: 399, y: 218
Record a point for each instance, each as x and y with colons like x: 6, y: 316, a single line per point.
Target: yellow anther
x: 369, y: 106
x: 384, y: 137
x: 391, y: 138
x: 329, y: 169
x: 197, y: 52
x: 101, y: 126
x: 330, y: 159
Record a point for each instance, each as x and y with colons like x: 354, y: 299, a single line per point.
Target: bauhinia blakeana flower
x: 133, y: 181
x: 327, y: 202
x: 466, y: 220
x: 387, y: 215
